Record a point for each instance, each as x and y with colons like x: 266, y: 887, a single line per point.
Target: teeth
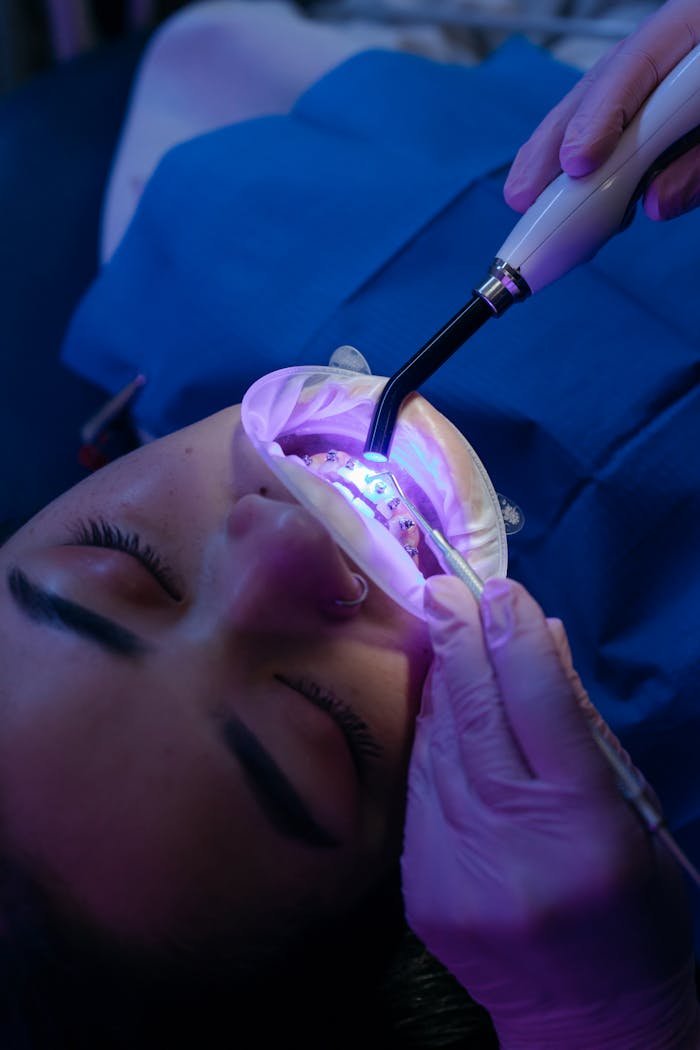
x: 404, y: 529
x: 363, y: 507
x: 337, y: 467
x: 344, y: 490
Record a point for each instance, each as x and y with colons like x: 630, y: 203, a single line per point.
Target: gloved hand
x: 524, y: 871
x: 584, y: 128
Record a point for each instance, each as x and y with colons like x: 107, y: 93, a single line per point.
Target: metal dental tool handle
x: 632, y: 786
x: 452, y: 560
x: 567, y: 224
x: 634, y: 790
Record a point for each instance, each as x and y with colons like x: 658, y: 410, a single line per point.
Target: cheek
x: 142, y: 823
x: 383, y: 685
x: 103, y: 801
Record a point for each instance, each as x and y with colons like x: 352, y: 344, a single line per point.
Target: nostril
x: 258, y: 513
x: 286, y: 539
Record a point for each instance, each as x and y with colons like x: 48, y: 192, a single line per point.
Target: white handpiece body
x: 568, y: 223
x: 573, y: 217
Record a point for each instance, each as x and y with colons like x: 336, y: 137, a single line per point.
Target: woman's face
x: 210, y: 741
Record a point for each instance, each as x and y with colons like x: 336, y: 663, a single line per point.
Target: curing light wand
x: 419, y: 368
x: 567, y: 224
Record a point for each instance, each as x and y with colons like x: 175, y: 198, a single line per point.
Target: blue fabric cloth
x: 366, y: 216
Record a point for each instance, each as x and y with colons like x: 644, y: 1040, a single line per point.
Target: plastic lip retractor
x: 307, y: 423
x: 567, y: 224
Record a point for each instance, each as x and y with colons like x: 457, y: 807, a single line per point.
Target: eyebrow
x: 276, y: 796
x: 45, y: 607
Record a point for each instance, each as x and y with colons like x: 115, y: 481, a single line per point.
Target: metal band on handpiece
x: 503, y: 287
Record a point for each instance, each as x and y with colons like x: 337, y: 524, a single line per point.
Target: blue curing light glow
x: 376, y: 457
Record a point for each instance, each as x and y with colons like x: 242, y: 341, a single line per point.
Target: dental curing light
x: 567, y: 224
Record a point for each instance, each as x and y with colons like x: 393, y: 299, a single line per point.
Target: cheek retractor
x: 308, y: 425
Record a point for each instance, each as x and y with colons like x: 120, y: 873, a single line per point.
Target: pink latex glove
x: 524, y: 871
x: 584, y: 128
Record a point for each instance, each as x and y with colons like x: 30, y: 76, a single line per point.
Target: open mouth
x: 338, y: 460
x: 309, y: 424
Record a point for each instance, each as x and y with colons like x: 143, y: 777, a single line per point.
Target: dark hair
x: 64, y: 986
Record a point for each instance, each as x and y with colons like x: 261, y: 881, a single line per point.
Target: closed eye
x: 93, y: 532
x: 362, y: 744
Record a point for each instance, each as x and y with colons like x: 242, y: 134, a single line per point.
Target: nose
x: 282, y: 569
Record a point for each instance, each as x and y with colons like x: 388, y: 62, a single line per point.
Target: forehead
x: 189, y: 462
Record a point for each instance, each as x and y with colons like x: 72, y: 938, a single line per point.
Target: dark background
x: 60, y: 117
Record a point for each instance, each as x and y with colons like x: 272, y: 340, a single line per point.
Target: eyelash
x: 357, y: 733
x: 91, y: 532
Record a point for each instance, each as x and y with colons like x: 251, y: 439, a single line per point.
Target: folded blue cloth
x: 366, y: 216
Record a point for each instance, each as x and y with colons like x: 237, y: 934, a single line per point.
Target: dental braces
x: 371, y: 496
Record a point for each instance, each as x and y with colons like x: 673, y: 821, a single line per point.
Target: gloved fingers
x: 581, y: 132
x: 624, y: 79
x: 464, y: 681
x: 560, y: 638
x: 607, y: 108
x: 540, y: 703
x: 439, y: 800
x: 537, y: 161
x: 676, y: 190
x: 586, y: 705
x: 590, y: 711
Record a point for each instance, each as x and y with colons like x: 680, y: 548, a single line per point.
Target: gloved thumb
x: 470, y: 723
x: 593, y: 715
x: 461, y: 677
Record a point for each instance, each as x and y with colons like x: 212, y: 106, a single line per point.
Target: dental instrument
x: 567, y: 224
x: 451, y: 559
x: 634, y: 789
x: 631, y: 786
x: 372, y: 493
